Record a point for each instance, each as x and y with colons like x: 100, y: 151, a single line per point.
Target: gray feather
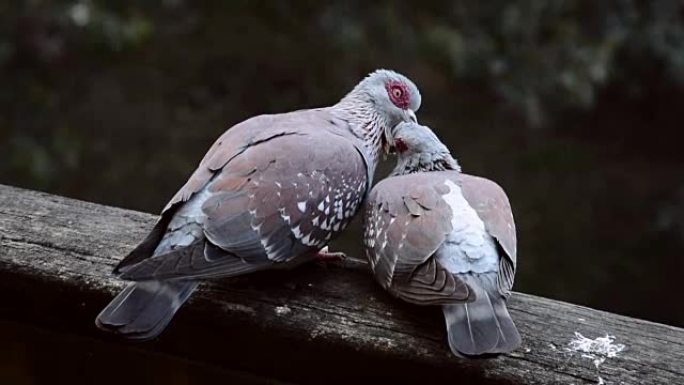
x: 509, y: 338
x: 144, y: 309
x: 483, y: 326
x: 272, y: 190
x: 200, y: 260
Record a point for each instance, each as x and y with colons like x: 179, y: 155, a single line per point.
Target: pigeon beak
x: 410, y: 116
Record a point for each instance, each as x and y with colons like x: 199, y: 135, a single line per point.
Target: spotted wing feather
x: 282, y: 193
x: 292, y: 201
x: 406, y: 221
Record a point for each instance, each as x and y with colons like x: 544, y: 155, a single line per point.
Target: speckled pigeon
x: 271, y: 192
x: 435, y: 236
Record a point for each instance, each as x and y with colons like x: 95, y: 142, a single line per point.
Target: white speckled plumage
x: 435, y: 236
x: 256, y: 198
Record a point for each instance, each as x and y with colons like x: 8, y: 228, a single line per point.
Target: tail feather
x: 483, y: 326
x: 144, y: 309
x: 509, y: 338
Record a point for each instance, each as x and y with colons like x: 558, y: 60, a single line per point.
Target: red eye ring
x: 398, y: 93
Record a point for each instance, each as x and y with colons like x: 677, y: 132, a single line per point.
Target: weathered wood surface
x: 315, y: 324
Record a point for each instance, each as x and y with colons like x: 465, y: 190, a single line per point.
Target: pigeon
x: 436, y: 236
x: 271, y: 192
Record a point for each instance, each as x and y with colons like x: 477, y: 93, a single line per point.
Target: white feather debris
x: 597, y: 350
x: 599, y: 347
x: 282, y: 310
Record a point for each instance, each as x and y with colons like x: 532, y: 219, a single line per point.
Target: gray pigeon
x: 435, y: 236
x: 271, y: 192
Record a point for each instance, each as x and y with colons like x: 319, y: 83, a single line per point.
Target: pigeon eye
x: 397, y: 92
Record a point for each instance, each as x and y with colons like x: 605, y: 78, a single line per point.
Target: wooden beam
x: 315, y: 324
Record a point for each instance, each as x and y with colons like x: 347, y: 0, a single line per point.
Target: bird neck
x: 412, y: 163
x: 366, y: 123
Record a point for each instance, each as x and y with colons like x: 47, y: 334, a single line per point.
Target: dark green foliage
x: 572, y: 106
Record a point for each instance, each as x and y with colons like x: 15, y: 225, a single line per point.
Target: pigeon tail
x: 483, y: 326
x: 143, y: 309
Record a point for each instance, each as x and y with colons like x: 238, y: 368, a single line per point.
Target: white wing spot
x: 301, y: 206
x: 308, y: 240
x: 285, y: 217
x: 296, y: 231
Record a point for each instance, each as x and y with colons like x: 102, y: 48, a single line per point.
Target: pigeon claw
x: 324, y: 255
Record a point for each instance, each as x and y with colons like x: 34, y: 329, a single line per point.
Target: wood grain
x: 314, y: 324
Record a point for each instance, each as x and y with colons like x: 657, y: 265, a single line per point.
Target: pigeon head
x: 384, y: 98
x: 393, y: 95
x: 419, y: 149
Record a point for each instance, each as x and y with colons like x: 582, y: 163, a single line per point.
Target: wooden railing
x: 316, y: 324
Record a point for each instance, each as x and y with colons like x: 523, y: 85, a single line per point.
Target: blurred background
x: 574, y: 107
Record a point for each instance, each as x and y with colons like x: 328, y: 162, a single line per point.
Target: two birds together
x: 274, y: 190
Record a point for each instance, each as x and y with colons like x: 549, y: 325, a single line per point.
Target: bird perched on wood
x: 272, y: 191
x: 435, y: 236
